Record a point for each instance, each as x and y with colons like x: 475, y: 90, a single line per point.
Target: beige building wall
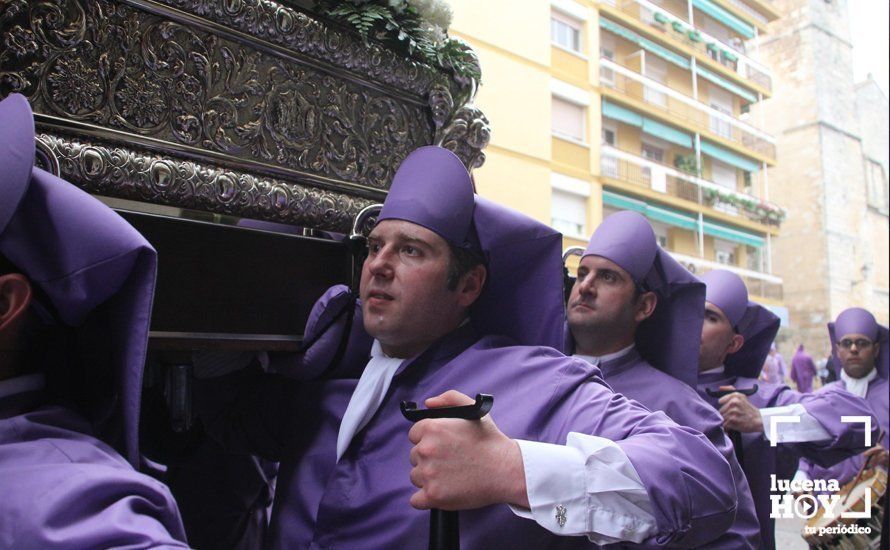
x: 827, y: 252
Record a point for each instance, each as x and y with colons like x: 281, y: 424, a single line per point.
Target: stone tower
x: 832, y: 253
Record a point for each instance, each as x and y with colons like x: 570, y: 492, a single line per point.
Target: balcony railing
x: 691, y: 111
x: 678, y: 29
x: 628, y: 168
x: 759, y: 284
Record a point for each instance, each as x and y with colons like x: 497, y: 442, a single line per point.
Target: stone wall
x: 832, y: 249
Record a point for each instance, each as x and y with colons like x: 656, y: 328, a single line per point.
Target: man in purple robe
x: 453, y: 293
x: 632, y: 298
x: 736, y: 336
x: 774, y: 369
x: 862, y: 348
x: 803, y: 370
x: 76, y: 285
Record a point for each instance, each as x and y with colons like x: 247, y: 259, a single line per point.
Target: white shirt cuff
x: 807, y: 430
x: 800, y: 476
x: 586, y: 487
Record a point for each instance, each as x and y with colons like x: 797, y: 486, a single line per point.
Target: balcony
x: 759, y: 284
x: 691, y: 111
x: 676, y: 29
x: 634, y: 170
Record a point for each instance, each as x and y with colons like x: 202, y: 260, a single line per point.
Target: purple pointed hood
x: 757, y: 324
x: 433, y: 189
x: 95, y: 271
x: 670, y: 339
x: 856, y: 320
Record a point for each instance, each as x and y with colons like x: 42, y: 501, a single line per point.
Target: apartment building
x: 643, y: 105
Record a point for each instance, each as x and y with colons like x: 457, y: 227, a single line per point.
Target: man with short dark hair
x: 76, y: 284
x: 862, y: 347
x: 352, y: 467
x: 735, y: 339
x: 631, y: 298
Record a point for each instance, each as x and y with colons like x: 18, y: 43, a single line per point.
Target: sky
x: 870, y: 33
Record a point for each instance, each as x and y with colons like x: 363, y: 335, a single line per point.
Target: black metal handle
x: 720, y: 393
x: 475, y: 411
x: 445, y: 525
x: 734, y: 435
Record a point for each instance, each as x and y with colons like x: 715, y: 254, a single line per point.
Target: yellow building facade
x: 597, y: 106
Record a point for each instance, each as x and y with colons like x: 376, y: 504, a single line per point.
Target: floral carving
x: 125, y: 69
x: 141, y: 100
x: 75, y: 86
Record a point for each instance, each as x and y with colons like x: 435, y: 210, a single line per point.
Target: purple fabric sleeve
x: 827, y: 406
x: 690, y: 484
x: 62, y: 487
x: 322, y: 340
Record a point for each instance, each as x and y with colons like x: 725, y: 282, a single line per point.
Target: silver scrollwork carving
x: 115, y: 66
x: 121, y: 172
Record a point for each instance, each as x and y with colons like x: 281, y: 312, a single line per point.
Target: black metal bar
x: 445, y: 525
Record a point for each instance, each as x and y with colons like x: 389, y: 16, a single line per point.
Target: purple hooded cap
x: 856, y: 320
x: 757, y: 324
x: 94, y: 269
x: 433, y: 189
x: 670, y: 339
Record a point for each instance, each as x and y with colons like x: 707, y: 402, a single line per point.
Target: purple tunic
x: 362, y: 500
x: 761, y: 459
x: 631, y: 376
x: 774, y: 370
x: 88, y: 495
x: 803, y: 370
x: 846, y: 470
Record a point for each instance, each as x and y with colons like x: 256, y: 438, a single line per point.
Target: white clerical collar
x: 367, y: 396
x: 858, y: 386
x: 21, y: 384
x: 718, y: 370
x: 596, y: 360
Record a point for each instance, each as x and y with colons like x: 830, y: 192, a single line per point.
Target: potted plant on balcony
x: 660, y: 19
x: 686, y: 164
x: 678, y: 27
x: 695, y: 36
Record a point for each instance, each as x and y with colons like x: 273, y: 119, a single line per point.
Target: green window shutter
x: 728, y: 19
x: 725, y: 84
x: 729, y: 157
x: 616, y: 112
x: 667, y: 133
x: 645, y: 43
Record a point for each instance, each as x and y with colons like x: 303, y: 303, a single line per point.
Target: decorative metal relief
x: 118, y: 67
x: 121, y: 172
x: 465, y: 132
x: 301, y: 32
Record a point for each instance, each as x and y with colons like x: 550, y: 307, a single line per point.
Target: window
x: 568, y: 213
x: 724, y: 175
x: 656, y: 69
x: 653, y: 153
x: 607, y: 51
x: 876, y: 181
x: 754, y: 258
x: 568, y: 119
x: 609, y: 134
x: 725, y: 252
x: 565, y: 32
x: 654, y: 178
x: 721, y: 101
